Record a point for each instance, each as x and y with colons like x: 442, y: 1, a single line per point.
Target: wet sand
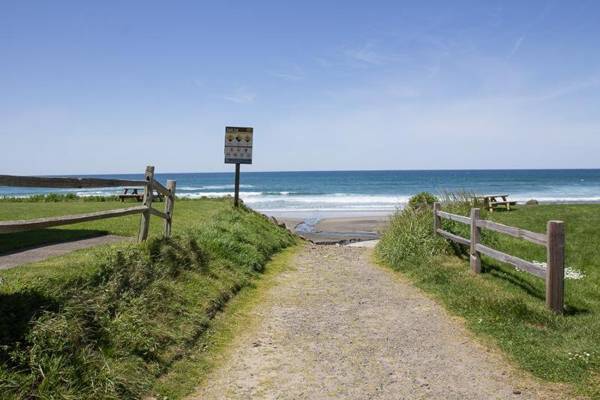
x: 337, y: 229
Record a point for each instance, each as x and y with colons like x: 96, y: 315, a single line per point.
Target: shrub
x: 409, y: 238
x: 422, y: 200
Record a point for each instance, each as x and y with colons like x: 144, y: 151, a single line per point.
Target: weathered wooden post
x: 474, y: 256
x: 148, y: 195
x: 437, y: 220
x: 555, y: 274
x: 169, y: 204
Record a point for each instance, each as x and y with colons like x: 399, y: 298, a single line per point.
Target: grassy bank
x: 110, y: 322
x: 213, y: 348
x: 507, y: 306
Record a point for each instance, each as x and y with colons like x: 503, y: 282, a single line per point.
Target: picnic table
x: 492, y: 203
x: 137, y: 194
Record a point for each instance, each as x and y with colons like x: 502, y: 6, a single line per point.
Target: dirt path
x: 52, y: 250
x: 336, y: 326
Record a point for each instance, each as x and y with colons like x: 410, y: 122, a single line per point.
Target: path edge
x: 188, y: 375
x: 486, y: 343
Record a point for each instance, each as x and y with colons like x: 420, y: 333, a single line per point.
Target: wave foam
x: 213, y: 187
x: 336, y: 198
x: 197, y: 195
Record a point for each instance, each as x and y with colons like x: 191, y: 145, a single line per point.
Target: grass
x: 186, y: 214
x: 111, y: 322
x: 507, y: 306
x: 56, y: 197
x: 212, y: 349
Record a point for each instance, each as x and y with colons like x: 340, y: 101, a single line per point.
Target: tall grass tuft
x: 410, y: 238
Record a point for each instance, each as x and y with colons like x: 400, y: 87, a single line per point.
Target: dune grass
x: 109, y: 322
x: 506, y: 306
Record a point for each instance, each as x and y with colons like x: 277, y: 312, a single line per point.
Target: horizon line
x: 323, y: 170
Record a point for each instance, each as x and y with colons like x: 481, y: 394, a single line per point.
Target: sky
x: 111, y: 86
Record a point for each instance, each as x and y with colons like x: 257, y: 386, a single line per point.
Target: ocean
x: 365, y: 191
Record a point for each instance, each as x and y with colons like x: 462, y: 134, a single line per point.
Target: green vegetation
x: 55, y: 198
x: 110, y: 322
x: 212, y: 348
x: 422, y: 200
x: 506, y: 306
x: 186, y: 215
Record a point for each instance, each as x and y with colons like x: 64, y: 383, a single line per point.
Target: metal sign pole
x: 236, y: 199
x: 238, y: 150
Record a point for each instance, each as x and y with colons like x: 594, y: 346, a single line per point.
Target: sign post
x: 238, y: 150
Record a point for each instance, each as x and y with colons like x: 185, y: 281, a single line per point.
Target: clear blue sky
x: 109, y: 86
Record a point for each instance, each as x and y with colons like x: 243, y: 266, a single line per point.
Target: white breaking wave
x: 336, y: 198
x: 197, y: 195
x: 282, y: 201
x: 286, y: 201
x: 214, y: 187
x: 326, y: 202
x: 90, y: 193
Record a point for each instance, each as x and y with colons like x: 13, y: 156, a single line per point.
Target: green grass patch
x: 212, y: 349
x: 57, y: 197
x: 109, y: 322
x: 186, y: 214
x: 505, y: 305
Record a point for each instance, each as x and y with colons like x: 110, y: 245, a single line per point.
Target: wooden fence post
x: 148, y: 194
x: 169, y: 204
x: 437, y: 220
x: 474, y: 256
x: 555, y: 274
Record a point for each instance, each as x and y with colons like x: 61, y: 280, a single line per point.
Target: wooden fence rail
x: 75, y: 183
x: 553, y: 240
x: 149, y: 184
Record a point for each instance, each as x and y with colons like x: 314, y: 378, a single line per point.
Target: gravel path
x: 335, y: 326
x: 44, y: 252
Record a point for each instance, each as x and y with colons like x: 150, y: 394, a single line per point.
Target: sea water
x: 364, y: 191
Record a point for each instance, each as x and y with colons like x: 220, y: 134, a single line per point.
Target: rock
x: 532, y: 202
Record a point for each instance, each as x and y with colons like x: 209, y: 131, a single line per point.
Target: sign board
x: 238, y: 145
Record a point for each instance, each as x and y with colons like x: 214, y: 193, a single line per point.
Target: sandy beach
x: 333, y: 228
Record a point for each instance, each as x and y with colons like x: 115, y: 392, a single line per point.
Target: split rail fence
x: 553, y: 240
x: 149, y: 184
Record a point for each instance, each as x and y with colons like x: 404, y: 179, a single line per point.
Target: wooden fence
x: 149, y: 184
x: 553, y: 240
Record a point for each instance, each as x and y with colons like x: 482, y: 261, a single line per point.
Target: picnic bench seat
x: 137, y: 194
x: 492, y: 203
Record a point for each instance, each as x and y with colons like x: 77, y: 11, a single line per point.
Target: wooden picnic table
x: 137, y: 194
x: 492, y: 203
